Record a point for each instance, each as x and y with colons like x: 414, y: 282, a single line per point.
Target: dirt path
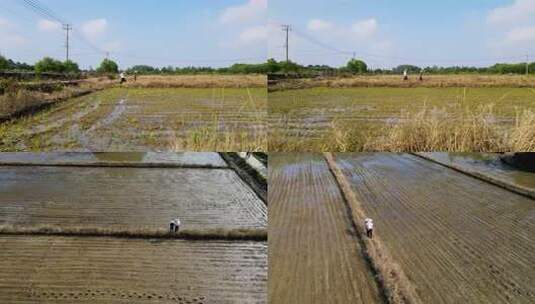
x: 457, y: 238
x: 314, y: 254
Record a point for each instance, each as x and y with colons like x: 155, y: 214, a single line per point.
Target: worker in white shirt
x: 174, y: 225
x: 177, y: 225
x: 368, y: 224
x: 123, y: 77
x: 405, y: 76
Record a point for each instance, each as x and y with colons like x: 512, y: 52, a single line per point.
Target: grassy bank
x: 144, y: 233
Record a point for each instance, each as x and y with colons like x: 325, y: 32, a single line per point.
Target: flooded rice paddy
x: 108, y: 270
x: 127, y: 197
x: 488, y: 164
x: 313, y: 251
x: 310, y: 113
x: 127, y: 119
x: 66, y: 190
x: 457, y: 238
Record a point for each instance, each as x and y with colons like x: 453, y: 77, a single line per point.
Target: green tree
x: 357, y: 66
x: 70, y: 66
x: 48, y: 64
x: 4, y: 64
x: 108, y: 67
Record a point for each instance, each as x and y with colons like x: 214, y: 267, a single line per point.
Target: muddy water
x: 488, y: 164
x: 314, y: 255
x: 114, y: 158
x: 459, y: 239
x: 106, y: 270
x: 124, y: 197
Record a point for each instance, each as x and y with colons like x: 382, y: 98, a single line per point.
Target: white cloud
x: 45, y: 25
x: 521, y: 34
x: 365, y: 28
x: 518, y: 11
x: 9, y: 36
x: 249, y: 11
x: 319, y: 25
x: 254, y: 34
x: 94, y: 28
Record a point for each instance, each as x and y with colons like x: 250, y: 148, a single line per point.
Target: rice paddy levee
x: 155, y: 113
x: 112, y: 211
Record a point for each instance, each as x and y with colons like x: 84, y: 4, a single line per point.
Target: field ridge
x: 239, y: 234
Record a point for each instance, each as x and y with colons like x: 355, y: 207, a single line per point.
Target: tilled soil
x: 108, y: 270
x: 458, y: 239
x: 314, y: 254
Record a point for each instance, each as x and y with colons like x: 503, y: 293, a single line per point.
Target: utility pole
x: 286, y: 28
x: 354, y: 55
x: 67, y: 28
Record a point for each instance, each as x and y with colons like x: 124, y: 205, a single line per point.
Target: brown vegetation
x: 19, y: 98
x: 397, y: 81
x: 391, y: 277
x: 198, y: 81
x: 249, y: 234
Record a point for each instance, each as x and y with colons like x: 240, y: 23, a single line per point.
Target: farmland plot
x: 458, y: 239
x: 108, y: 270
x: 138, y: 119
x: 314, y: 255
x: 308, y: 118
x: 125, y: 197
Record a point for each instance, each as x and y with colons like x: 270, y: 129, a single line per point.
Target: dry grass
x: 249, y: 234
x: 233, y: 138
x: 457, y: 129
x: 198, y: 81
x: 390, y: 276
x: 17, y: 99
x: 397, y: 81
x: 211, y: 139
x: 469, y: 131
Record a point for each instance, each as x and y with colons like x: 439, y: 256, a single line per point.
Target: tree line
x: 271, y: 66
x: 356, y: 66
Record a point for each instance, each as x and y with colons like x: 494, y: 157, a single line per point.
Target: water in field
x: 487, y: 164
x: 122, y: 119
x: 170, y: 159
x: 127, y: 197
x: 309, y: 113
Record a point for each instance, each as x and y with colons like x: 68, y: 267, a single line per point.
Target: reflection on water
x: 488, y: 164
x: 87, y: 158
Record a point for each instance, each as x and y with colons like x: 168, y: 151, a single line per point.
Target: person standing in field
x: 368, y: 224
x: 405, y: 76
x: 135, y: 76
x: 174, y: 225
x: 177, y: 225
x: 422, y: 75
x: 123, y: 77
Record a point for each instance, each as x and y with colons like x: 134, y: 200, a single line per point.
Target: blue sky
x: 220, y: 32
x: 389, y: 32
x: 160, y: 33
